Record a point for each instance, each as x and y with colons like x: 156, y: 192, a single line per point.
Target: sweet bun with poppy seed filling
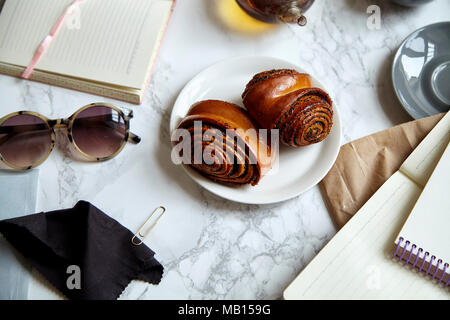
x: 232, y: 150
x: 285, y: 99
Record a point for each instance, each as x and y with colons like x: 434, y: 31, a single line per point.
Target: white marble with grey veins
x: 213, y: 248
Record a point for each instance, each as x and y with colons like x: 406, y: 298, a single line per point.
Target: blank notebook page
x: 103, y: 39
x: 429, y: 222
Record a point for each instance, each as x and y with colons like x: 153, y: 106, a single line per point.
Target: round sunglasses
x: 98, y: 131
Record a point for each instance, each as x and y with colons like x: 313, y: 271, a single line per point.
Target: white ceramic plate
x: 299, y: 168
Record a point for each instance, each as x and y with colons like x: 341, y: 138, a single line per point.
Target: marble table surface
x: 213, y: 248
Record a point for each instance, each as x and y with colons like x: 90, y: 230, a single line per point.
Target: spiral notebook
x: 103, y: 47
x: 424, y: 241
x: 359, y: 263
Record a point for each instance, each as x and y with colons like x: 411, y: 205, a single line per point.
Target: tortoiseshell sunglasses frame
x: 67, y: 124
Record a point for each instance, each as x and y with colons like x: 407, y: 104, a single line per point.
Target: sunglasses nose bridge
x: 59, y: 123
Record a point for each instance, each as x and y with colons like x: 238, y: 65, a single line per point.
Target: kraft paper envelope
x: 365, y: 164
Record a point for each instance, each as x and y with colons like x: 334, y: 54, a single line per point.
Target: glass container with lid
x: 277, y: 11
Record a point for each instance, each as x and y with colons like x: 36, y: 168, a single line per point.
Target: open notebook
x: 103, y: 47
x: 424, y: 241
x: 358, y: 262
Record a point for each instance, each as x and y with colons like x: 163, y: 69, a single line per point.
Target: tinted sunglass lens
x: 24, y: 140
x: 99, y: 131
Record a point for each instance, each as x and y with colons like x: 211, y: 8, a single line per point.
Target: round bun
x: 284, y: 99
x: 224, y: 132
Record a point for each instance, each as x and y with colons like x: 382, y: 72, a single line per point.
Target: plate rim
x: 405, y: 106
x: 197, y: 177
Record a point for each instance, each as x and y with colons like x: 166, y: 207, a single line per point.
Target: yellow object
x: 231, y: 14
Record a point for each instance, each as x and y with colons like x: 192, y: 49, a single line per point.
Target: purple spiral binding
x: 424, y: 260
x: 443, y: 273
x: 417, y: 257
x: 437, y: 268
x: 430, y: 264
x: 400, y: 240
x: 404, y: 249
x: 410, y: 253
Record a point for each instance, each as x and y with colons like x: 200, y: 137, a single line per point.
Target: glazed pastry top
x: 269, y: 87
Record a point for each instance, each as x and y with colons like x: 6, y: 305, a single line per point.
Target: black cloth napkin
x: 85, y: 237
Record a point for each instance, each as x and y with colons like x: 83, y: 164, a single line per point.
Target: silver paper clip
x: 139, y: 232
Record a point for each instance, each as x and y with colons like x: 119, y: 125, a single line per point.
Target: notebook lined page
x: 23, y: 26
x: 357, y: 262
x: 102, y: 39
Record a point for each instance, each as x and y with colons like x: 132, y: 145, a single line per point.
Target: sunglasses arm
x: 135, y: 139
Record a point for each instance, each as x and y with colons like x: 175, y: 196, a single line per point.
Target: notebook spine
x: 419, y: 260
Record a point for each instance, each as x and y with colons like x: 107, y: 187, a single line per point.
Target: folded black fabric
x: 88, y: 239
